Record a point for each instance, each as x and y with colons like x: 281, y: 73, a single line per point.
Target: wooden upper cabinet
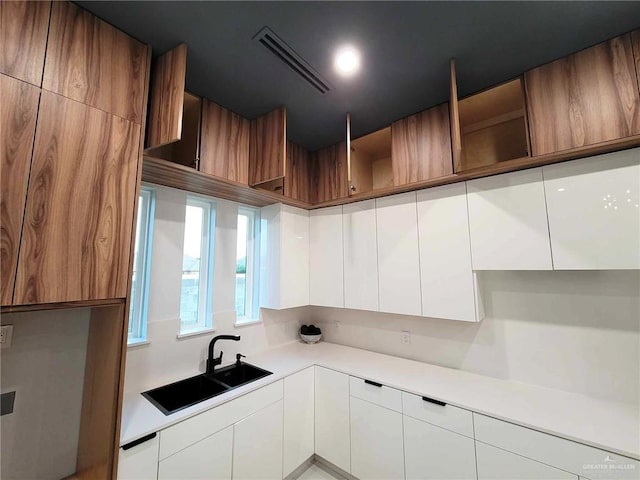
x: 17, y: 128
x: 298, y: 182
x: 635, y: 42
x: 268, y: 143
x: 454, y: 118
x: 79, y: 212
x: 329, y: 175
x: 167, y: 97
x: 23, y: 36
x: 421, y: 146
x: 224, y: 143
x: 91, y: 61
x: 583, y: 99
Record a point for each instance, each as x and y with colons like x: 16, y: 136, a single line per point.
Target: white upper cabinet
x: 508, y: 222
x: 284, y: 257
x: 326, y: 287
x: 360, y: 256
x: 448, y: 282
x: 398, y: 258
x: 594, y: 218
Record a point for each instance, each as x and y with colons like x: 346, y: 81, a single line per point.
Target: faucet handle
x: 238, y: 357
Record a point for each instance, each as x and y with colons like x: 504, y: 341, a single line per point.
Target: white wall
x: 574, y: 331
x: 167, y: 358
x: 45, y: 366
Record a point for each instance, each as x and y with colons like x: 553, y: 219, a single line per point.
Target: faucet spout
x: 211, y: 361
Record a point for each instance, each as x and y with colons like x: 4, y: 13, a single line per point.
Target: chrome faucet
x: 212, y: 362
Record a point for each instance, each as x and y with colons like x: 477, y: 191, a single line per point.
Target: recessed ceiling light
x: 347, y: 60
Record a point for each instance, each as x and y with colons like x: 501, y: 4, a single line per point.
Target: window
x: 197, y: 266
x: 141, y: 264
x: 247, y: 265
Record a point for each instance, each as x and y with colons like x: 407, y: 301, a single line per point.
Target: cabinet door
x: 17, y: 128
x: 594, y: 218
x: 79, y: 213
x: 588, y: 97
x: 377, y: 449
x: 297, y: 183
x: 635, y: 43
x: 398, y: 258
x: 224, y: 143
x: 496, y: 464
x: 332, y: 417
x: 294, y: 259
x: 329, y: 177
x: 508, y: 222
x: 23, y: 36
x: 298, y: 419
x: 268, y: 140
x: 360, y: 256
x: 139, y: 462
x: 208, y: 459
x: 91, y: 61
x: 421, y: 146
x: 326, y: 287
x: 433, y: 453
x: 447, y: 280
x: 257, y: 445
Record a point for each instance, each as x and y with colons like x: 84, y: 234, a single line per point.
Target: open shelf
x: 185, y: 151
x: 371, y: 167
x: 493, y: 126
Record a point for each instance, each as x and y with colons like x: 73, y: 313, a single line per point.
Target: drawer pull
x: 139, y: 441
x: 437, y: 402
x: 375, y: 384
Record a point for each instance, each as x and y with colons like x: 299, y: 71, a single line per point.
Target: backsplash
x: 574, y: 331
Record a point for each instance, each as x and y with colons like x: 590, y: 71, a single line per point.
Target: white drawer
x: 443, y: 415
x: 375, y: 392
x: 183, y: 434
x: 588, y: 462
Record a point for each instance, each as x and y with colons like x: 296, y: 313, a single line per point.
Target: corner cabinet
x: 594, y: 217
x: 298, y: 435
x: 284, y: 257
x: 326, y: 286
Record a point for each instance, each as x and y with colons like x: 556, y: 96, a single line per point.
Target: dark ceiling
x: 405, y: 47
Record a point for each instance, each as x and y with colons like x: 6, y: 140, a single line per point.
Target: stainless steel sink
x: 185, y: 393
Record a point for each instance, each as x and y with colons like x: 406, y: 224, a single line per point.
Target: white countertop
x: 603, y: 424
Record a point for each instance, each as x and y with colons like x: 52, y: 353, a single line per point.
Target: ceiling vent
x: 295, y: 62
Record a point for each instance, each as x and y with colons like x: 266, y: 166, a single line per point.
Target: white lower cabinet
x: 257, y: 445
x: 433, y: 453
x: 496, y: 464
x: 376, y: 442
x: 332, y: 417
x: 208, y: 459
x: 140, y: 462
x: 298, y: 419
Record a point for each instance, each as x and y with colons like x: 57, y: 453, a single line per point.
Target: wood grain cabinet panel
x: 421, y: 146
x: 267, y: 155
x: 586, y: 98
x: 90, y: 61
x: 79, y: 213
x: 167, y: 97
x: 224, y: 143
x: 298, y: 182
x: 23, y: 36
x: 329, y: 175
x: 635, y: 41
x: 17, y: 128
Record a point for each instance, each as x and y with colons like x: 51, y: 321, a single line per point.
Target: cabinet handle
x: 137, y: 442
x: 375, y: 384
x: 437, y: 402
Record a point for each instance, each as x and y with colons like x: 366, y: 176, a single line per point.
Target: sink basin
x: 237, y: 375
x: 176, y: 396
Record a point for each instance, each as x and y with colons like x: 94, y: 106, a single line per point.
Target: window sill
x: 245, y: 322
x: 195, y: 333
x: 138, y: 343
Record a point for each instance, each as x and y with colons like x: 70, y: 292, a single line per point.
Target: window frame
x: 204, y: 322
x: 139, y: 300
x: 252, y: 271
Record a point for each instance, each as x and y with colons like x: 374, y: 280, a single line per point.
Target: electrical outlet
x: 406, y: 338
x: 6, y: 332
